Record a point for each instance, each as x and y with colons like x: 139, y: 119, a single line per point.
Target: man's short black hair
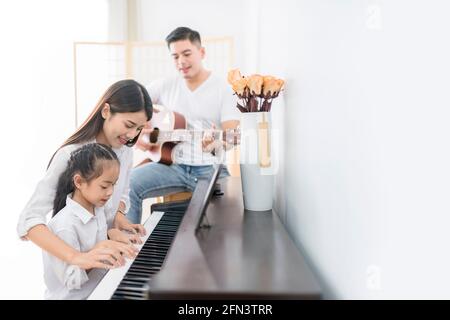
x: 184, y: 33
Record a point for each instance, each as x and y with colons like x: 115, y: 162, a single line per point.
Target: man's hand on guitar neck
x: 210, y: 143
x: 208, y: 139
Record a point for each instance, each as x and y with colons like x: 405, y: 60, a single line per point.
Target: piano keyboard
x: 131, y: 282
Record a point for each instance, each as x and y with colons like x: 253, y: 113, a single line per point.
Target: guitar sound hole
x: 154, y: 135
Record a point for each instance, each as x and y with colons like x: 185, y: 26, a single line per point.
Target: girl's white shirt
x: 81, y: 230
x: 41, y: 202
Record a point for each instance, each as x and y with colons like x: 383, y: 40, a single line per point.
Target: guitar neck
x: 184, y: 135
x: 178, y: 135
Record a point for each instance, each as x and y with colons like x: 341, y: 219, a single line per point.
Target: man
x: 206, y: 101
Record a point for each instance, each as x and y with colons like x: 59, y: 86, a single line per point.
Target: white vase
x: 256, y: 160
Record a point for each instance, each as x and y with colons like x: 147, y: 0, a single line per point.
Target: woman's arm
x: 107, y: 250
x: 41, y: 202
x: 48, y: 241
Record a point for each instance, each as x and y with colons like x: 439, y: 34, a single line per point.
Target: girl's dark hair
x: 85, y: 161
x: 122, y: 96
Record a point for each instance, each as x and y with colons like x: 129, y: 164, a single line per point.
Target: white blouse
x: 81, y: 230
x: 41, y: 202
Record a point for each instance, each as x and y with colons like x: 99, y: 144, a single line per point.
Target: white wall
x: 233, y: 18
x: 365, y: 187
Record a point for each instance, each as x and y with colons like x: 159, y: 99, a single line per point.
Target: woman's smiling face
x: 119, y: 128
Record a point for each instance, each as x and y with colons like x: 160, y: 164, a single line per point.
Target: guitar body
x: 164, y: 120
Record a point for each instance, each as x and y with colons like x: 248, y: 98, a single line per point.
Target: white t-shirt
x: 81, y: 230
x: 212, y: 102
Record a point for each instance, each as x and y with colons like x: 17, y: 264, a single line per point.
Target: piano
x: 211, y: 248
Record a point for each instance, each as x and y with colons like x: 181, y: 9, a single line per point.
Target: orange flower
x: 234, y: 75
x: 239, y: 86
x: 272, y: 85
x: 255, y: 83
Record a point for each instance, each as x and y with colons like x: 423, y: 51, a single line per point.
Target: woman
x: 116, y: 121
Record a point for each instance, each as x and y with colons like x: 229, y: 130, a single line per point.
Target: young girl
x: 79, y: 219
x: 116, y: 121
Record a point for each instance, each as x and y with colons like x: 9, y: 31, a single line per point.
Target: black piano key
x: 137, y: 284
x: 152, y: 254
x: 124, y: 290
x: 133, y: 289
x: 128, y: 295
x: 165, y: 234
x: 136, y: 273
x: 154, y: 249
x: 154, y: 261
x: 149, y: 267
x: 159, y: 242
x: 137, y: 278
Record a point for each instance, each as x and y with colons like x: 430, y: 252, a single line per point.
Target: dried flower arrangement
x: 255, y: 92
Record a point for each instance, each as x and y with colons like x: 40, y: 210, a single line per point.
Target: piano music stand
x: 212, y: 189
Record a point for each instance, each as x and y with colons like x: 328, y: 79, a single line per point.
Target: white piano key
x: 112, y: 278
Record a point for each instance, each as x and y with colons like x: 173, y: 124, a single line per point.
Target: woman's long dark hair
x: 88, y: 162
x: 122, y: 96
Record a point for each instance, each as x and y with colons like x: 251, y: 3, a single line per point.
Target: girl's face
x: 118, y: 128
x: 98, y: 191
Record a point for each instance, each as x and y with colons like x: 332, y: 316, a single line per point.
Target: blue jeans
x: 155, y: 179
